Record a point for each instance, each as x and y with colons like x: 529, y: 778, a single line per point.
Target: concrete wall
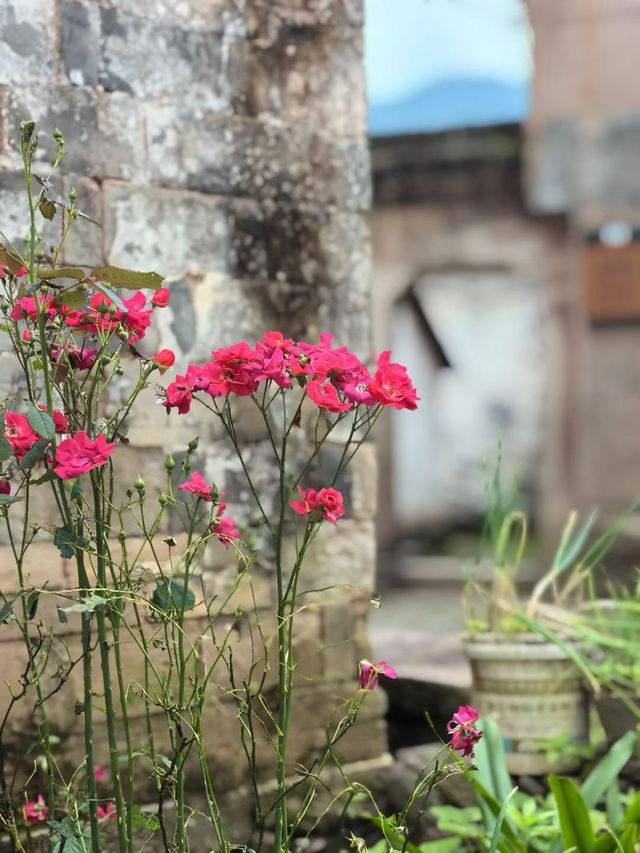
x: 222, y: 144
x: 583, y: 159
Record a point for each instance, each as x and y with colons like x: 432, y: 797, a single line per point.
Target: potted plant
x: 610, y: 628
x: 527, y: 669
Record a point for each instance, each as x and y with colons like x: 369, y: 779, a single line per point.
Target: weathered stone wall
x: 221, y: 143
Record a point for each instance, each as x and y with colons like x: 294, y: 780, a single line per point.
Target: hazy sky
x: 413, y: 43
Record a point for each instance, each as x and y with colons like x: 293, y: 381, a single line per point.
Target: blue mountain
x: 449, y: 104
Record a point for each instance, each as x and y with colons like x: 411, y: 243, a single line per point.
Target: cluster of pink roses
x: 335, y: 379
x: 99, y: 316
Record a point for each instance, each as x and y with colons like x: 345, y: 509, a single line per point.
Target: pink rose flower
x: 19, y: 434
x: 79, y: 454
x: 100, y: 774
x: 325, y: 396
x: 161, y: 297
x: 370, y: 673
x: 107, y: 813
x: 35, y: 811
x: 164, y: 359
x: 80, y: 358
x: 225, y: 529
x: 327, y: 504
x: 391, y: 385
x: 196, y: 485
x: 462, y: 730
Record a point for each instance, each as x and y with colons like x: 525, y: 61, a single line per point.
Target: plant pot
x: 534, y: 691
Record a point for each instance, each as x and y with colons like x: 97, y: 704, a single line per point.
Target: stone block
x: 169, y: 59
x: 27, y: 49
x: 103, y: 132
x: 165, y: 230
x: 265, y: 158
x: 214, y: 15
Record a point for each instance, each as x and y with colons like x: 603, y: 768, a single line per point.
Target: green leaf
x: 497, y: 830
x: 442, y: 845
x: 61, y: 272
x: 575, y: 823
x: 144, y: 820
x: 66, y: 542
x: 40, y: 422
x: 47, y: 477
x: 632, y: 814
x: 490, y: 758
x: 5, y: 448
x: 5, y: 500
x: 490, y: 805
x: 607, y: 770
x: 169, y: 597
x: 113, y: 297
x: 129, y: 279
x: 35, y: 454
x: 72, y: 298
x: 62, y: 616
x: 88, y: 604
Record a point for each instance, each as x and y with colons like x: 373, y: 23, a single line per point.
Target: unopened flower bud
x: 193, y: 444
x: 26, y: 131
x: 73, y: 194
x: 163, y: 500
x: 112, y: 309
x: 118, y: 370
x: 169, y: 463
x: 139, y: 484
x: 215, y: 494
x: 123, y: 335
x: 170, y: 541
x: 122, y: 536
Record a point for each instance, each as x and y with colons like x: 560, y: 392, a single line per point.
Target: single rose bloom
x: 164, y: 359
x: 107, y: 813
x: 462, y: 730
x: 100, y: 774
x: 332, y: 505
x: 161, y: 297
x: 19, y: 434
x: 391, y: 385
x: 35, y: 811
x: 325, y: 396
x: 79, y: 454
x: 369, y: 673
x: 226, y: 530
x: 196, y: 485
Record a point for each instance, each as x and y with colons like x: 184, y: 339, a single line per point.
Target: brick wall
x: 222, y: 144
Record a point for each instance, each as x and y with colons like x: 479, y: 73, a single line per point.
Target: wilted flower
x: 462, y: 729
x: 370, y: 673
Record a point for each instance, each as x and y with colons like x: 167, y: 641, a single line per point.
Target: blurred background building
x: 505, y: 141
